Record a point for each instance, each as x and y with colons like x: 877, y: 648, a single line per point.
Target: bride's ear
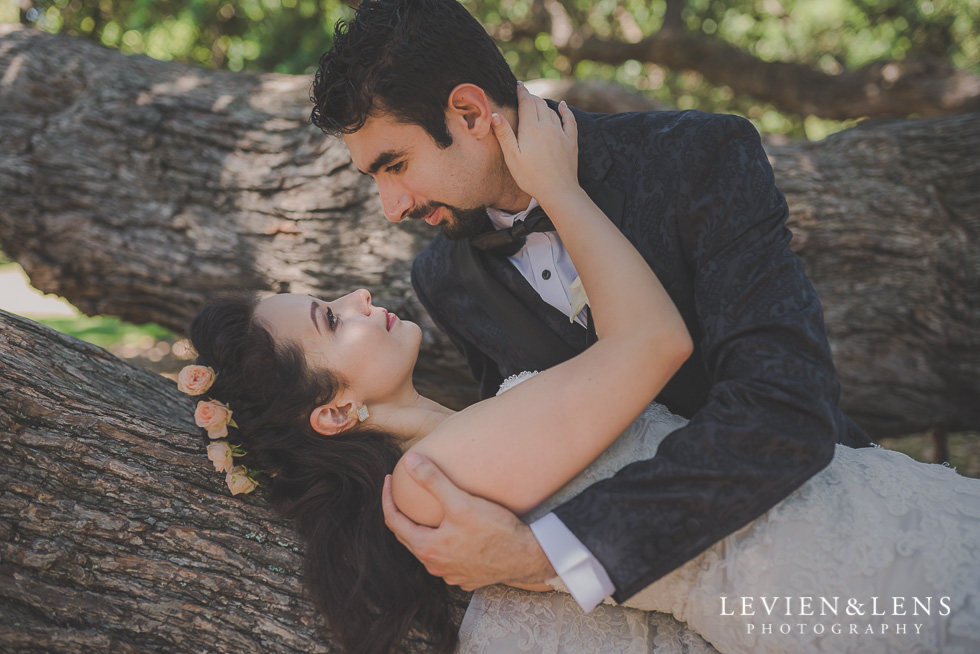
x: 331, y: 419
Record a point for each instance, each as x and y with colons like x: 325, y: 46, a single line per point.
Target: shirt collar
x: 503, y: 220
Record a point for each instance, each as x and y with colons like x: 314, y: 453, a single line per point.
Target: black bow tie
x: 508, y: 241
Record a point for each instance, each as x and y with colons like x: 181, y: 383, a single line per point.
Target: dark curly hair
x: 404, y: 57
x: 371, y: 589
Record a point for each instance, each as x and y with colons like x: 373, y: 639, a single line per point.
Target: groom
x: 412, y: 84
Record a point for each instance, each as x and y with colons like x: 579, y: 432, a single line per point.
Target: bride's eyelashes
x: 331, y: 319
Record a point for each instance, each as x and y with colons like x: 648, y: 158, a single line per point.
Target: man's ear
x: 469, y: 105
x: 331, y: 419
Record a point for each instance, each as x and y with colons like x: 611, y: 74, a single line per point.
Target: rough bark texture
x: 116, y: 535
x: 886, y: 218
x: 136, y: 188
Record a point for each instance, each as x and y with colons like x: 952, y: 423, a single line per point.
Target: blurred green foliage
x: 287, y: 36
x: 107, y: 332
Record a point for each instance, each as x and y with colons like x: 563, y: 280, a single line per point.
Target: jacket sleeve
x: 772, y: 415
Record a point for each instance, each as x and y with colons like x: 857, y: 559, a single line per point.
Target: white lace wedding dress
x: 886, y: 549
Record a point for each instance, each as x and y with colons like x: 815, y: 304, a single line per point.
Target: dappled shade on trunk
x: 137, y: 188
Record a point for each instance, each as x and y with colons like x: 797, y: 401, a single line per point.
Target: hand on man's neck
x: 511, y: 198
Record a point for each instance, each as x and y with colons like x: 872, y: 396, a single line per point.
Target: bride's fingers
x: 505, y: 136
x: 527, y: 111
x: 543, y: 112
x: 568, y: 121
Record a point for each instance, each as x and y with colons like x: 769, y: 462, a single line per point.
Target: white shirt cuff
x: 581, y: 572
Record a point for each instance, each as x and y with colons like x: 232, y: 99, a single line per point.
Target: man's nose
x: 395, y: 200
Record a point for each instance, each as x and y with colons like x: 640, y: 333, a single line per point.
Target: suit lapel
x: 594, y: 165
x: 522, y: 327
x: 544, y: 333
x: 573, y: 334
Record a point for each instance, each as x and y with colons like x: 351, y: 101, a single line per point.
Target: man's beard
x: 460, y: 224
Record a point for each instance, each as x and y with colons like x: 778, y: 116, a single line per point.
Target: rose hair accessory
x: 216, y: 417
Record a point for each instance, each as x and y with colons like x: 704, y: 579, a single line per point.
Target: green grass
x: 104, y: 331
x: 107, y: 331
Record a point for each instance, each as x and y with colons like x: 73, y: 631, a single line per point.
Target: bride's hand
x: 543, y: 156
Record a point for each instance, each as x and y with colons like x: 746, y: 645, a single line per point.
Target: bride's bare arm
x: 522, y: 446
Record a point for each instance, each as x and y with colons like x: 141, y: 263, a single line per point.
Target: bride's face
x: 372, y: 350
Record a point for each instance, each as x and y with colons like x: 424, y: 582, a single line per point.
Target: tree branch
x: 673, y: 16
x: 925, y: 86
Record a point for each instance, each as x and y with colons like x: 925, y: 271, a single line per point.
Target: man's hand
x: 478, y: 542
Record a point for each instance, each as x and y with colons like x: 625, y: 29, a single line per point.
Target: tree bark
x: 116, y: 534
x: 886, y: 218
x: 137, y: 188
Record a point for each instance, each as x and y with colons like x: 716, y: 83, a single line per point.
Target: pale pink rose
x: 195, y: 380
x: 238, y: 481
x: 215, y: 417
x: 220, y: 455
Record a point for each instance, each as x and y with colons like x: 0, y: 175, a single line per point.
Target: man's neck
x: 513, y: 200
x: 510, y: 197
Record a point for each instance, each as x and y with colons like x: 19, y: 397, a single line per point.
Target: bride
x: 323, y: 401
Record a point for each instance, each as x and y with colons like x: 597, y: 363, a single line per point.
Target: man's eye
x: 331, y: 320
x: 394, y: 168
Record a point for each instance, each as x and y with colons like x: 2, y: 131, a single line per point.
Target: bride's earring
x: 362, y: 413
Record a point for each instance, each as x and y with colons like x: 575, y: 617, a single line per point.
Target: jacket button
x: 665, y: 543
x: 546, y: 274
x: 692, y: 526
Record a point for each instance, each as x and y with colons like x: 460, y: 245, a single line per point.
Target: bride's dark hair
x: 371, y: 589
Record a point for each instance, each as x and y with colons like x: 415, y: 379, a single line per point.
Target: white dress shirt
x: 545, y: 264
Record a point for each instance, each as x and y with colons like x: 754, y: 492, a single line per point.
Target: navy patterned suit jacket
x: 695, y: 194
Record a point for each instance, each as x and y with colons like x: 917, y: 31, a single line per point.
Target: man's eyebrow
x: 382, y: 159
x: 313, y: 316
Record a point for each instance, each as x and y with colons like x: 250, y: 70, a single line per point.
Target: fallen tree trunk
x: 116, y: 535
x: 886, y: 217
x: 136, y: 188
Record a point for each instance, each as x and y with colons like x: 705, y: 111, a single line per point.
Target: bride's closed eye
x: 331, y: 319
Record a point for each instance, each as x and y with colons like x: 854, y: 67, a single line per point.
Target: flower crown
x: 216, y: 417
